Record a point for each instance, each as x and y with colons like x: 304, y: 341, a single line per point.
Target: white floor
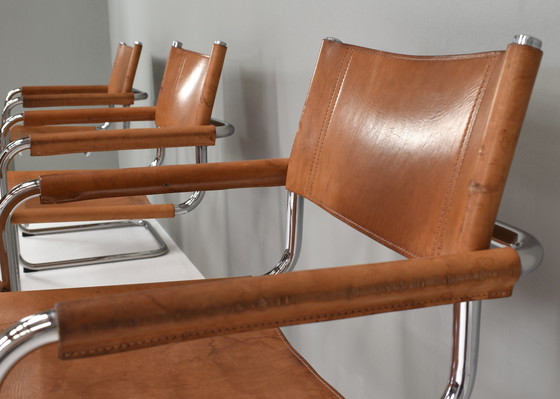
x: 170, y: 267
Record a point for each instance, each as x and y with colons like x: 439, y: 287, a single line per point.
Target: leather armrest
x: 77, y: 99
x: 103, y: 325
x: 64, y: 89
x: 120, y: 139
x: 67, y: 187
x: 95, y: 115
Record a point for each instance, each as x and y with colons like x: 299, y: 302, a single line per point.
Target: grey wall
x: 55, y: 42
x: 272, y: 50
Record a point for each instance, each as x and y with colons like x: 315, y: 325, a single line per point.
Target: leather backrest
x: 120, y: 67
x: 189, y: 86
x: 412, y: 150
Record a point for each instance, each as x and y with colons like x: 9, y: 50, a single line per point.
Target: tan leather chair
x: 183, y: 118
x: 412, y: 151
x: 118, y: 91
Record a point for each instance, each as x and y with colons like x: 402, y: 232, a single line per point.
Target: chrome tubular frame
x: 466, y: 315
x: 12, y: 93
x: 162, y: 248
x: 159, y: 157
x: 9, y: 106
x: 7, y: 154
x: 466, y: 333
x: 6, y: 126
x: 25, y: 336
x: 9, y: 234
x: 294, y: 235
x: 192, y: 202
x: 528, y: 248
x: 223, y: 128
x: 12, y: 241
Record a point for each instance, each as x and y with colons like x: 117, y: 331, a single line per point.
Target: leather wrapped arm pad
x: 95, y: 115
x: 103, y: 325
x: 78, y: 186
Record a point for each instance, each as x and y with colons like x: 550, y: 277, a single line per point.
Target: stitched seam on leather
x: 433, y: 58
x: 325, y: 125
x: 277, y: 323
x: 307, y: 366
x: 478, y: 101
x: 371, y: 233
x: 457, y: 168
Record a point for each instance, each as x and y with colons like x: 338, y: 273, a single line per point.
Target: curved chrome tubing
x: 6, y: 126
x: 223, y: 128
x: 466, y: 334
x: 25, y: 336
x: 162, y: 248
x: 528, y: 248
x: 9, y: 106
x: 9, y: 239
x: 294, y: 230
x: 7, y: 154
x: 466, y: 315
x: 139, y: 94
x: 159, y: 157
x: 196, y: 197
x: 12, y: 93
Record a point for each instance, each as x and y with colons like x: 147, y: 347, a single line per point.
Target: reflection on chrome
x: 28, y: 334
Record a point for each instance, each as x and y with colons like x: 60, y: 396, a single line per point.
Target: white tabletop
x: 170, y: 267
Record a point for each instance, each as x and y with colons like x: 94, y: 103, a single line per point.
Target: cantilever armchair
x: 430, y: 139
x: 118, y: 91
x: 183, y: 118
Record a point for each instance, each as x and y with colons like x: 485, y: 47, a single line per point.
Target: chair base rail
x: 161, y: 249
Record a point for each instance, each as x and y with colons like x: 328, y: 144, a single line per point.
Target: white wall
x: 55, y: 42
x: 272, y: 51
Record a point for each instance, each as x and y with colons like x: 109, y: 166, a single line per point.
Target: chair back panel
x: 411, y: 150
x: 120, y: 67
x: 189, y: 86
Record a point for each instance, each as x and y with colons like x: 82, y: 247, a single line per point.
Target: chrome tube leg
x: 466, y: 333
x: 11, y: 242
x: 126, y: 124
x: 8, y: 251
x: 294, y: 229
x: 196, y: 197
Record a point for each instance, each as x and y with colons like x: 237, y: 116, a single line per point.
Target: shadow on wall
x: 254, y: 114
x: 158, y: 67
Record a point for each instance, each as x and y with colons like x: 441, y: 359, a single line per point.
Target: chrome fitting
x: 526, y: 40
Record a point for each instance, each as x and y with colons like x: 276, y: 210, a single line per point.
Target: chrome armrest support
x: 294, y: 235
x: 7, y: 154
x: 25, y: 336
x: 466, y: 315
x: 529, y: 249
x: 6, y: 126
x: 223, y: 128
x: 12, y: 93
x: 192, y: 202
x: 9, y: 105
x: 9, y: 253
x: 139, y: 94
